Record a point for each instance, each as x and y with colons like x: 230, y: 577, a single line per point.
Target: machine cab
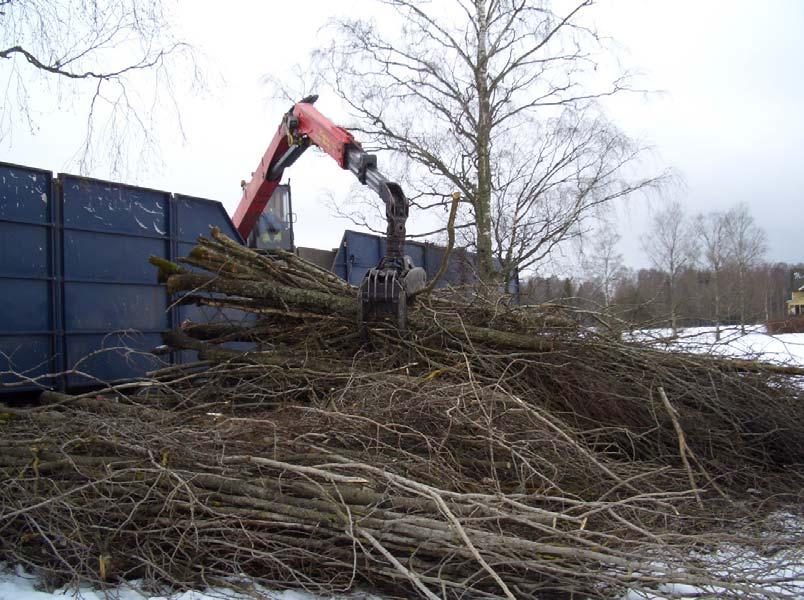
x: 274, y: 228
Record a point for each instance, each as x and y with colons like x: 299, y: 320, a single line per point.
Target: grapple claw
x: 386, y: 290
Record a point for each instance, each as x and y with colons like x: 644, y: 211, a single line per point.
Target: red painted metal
x: 323, y: 132
x: 258, y: 191
x: 312, y: 126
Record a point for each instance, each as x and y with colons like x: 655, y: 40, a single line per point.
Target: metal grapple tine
x: 385, y: 290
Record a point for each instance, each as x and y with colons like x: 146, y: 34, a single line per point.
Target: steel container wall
x: 28, y: 272
x: 77, y: 293
x: 194, y: 217
x: 113, y: 309
x: 358, y: 252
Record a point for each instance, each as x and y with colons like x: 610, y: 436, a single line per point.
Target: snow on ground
x: 785, y: 581
x: 788, y: 349
x: 783, y: 574
x: 16, y: 584
x: 756, y: 343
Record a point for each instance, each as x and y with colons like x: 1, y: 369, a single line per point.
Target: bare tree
x: 712, y: 232
x: 497, y: 99
x: 747, y: 247
x: 117, y: 58
x: 602, y: 263
x: 671, y: 246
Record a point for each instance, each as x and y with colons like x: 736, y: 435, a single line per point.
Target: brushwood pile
x: 489, y: 451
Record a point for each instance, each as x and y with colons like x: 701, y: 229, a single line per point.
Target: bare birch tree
x: 671, y: 246
x: 117, y: 59
x: 603, y: 264
x: 747, y: 247
x: 712, y: 232
x: 495, y: 99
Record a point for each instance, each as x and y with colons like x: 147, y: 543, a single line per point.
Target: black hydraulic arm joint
x: 366, y: 162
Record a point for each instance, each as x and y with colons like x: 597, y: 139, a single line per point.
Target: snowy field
x: 786, y: 573
x: 786, y: 348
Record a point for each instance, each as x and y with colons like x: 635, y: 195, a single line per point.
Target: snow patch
x: 18, y: 584
x: 755, y: 343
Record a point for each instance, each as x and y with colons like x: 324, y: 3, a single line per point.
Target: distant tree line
x: 708, y: 269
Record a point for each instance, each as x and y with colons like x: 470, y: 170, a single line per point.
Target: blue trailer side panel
x: 193, y: 218
x: 76, y: 290
x: 358, y: 252
x: 114, y: 310
x: 28, y: 271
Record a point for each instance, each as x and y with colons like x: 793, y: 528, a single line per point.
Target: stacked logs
x: 490, y: 450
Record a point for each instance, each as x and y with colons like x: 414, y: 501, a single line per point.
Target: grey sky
x: 730, y: 119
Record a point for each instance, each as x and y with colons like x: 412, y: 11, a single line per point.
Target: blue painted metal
x: 111, y: 299
x: 358, y: 252
x: 76, y: 291
x: 194, y: 216
x: 28, y: 273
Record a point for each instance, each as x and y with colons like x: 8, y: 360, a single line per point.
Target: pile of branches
x: 489, y: 451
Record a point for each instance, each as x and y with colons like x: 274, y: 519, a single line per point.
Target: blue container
x: 77, y: 293
x: 28, y: 270
x: 358, y: 252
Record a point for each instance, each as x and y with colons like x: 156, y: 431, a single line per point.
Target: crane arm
x: 395, y: 278
x: 301, y: 126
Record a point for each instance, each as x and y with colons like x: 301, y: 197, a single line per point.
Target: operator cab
x: 274, y: 228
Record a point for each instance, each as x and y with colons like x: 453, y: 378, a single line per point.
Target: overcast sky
x: 728, y: 114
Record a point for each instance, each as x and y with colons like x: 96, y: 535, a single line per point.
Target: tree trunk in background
x: 741, y: 297
x: 671, y: 298
x: 482, y: 201
x: 716, y: 280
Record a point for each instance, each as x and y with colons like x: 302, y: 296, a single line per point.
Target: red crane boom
x: 301, y: 126
x: 385, y: 288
